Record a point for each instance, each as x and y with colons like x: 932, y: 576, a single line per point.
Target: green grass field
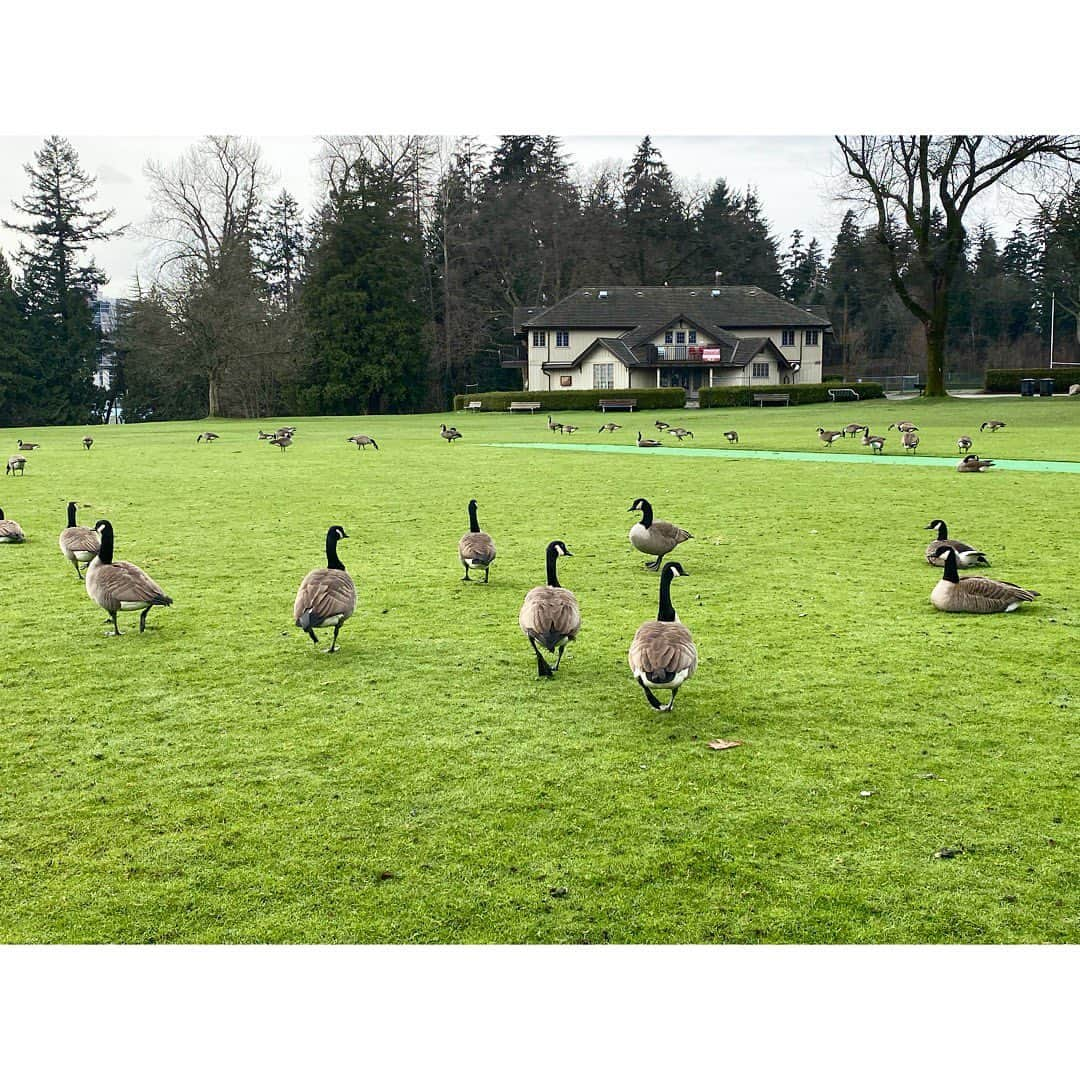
x: 218, y: 779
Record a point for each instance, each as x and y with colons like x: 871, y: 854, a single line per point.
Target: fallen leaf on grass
x: 723, y: 744
x: 865, y: 794
x: 949, y: 852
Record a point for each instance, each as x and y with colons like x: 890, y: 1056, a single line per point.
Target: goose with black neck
x: 550, y: 615
x: 327, y: 595
x: 663, y: 655
x: 654, y: 537
x: 116, y: 585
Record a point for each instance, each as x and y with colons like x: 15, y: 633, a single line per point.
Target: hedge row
x: 722, y: 397
x: 1007, y: 380
x: 554, y: 400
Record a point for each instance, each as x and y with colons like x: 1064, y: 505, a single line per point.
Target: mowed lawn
x: 218, y: 779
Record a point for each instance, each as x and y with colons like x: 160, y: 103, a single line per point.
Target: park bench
x: 772, y: 399
x: 476, y: 406
x: 524, y: 406
x: 846, y: 391
x: 617, y: 403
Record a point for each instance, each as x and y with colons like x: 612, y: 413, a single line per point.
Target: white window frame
x: 562, y: 339
x: 757, y: 373
x: 787, y: 339
x: 811, y: 337
x: 539, y: 339
x: 691, y: 337
x: 669, y: 337
x: 609, y: 379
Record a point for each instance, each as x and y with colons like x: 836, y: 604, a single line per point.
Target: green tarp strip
x: 792, y: 455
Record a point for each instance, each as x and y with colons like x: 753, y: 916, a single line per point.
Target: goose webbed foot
x: 466, y: 577
x: 333, y: 644
x: 487, y: 570
x: 650, y: 697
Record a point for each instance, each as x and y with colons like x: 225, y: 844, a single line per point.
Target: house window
x: 539, y: 339
x: 669, y: 337
x: 562, y: 339
x: 787, y: 338
x: 761, y: 371
x: 691, y: 337
x: 811, y: 337
x: 680, y: 337
x: 603, y: 376
x: 566, y: 380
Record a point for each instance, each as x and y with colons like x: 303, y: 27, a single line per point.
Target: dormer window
x: 691, y: 337
x: 680, y: 337
x: 669, y: 337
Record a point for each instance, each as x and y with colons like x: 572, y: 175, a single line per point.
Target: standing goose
x: 975, y: 595
x: 78, y: 543
x: 654, y: 537
x: 909, y: 441
x: 680, y: 433
x: 854, y: 429
x: 569, y: 429
x: 875, y: 442
x: 120, y: 586
x: 283, y: 442
x: 963, y: 443
x: 450, y: 434
x: 663, y: 655
x: 326, y: 597
x: 207, y: 436
x: 363, y: 441
x: 974, y: 463
x: 550, y: 616
x: 904, y: 425
x: 660, y: 425
x: 731, y: 436
x: 10, y: 531
x: 966, y: 555
x: 16, y: 464
x: 828, y: 437
x: 476, y: 549
x: 647, y: 442
x: 87, y: 442
x: 554, y: 425
x: 290, y: 431
x: 992, y: 425
x: 29, y: 445
x: 609, y: 428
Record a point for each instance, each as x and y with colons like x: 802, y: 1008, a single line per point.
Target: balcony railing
x: 668, y: 354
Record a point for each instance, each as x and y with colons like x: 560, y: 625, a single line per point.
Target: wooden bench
x: 524, y: 406
x: 617, y: 403
x: 844, y: 390
x: 772, y: 399
x: 476, y: 406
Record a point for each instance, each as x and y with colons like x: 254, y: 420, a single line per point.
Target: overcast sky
x: 791, y: 174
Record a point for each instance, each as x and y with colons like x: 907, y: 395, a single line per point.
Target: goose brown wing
x: 662, y: 646
x: 986, y: 595
x: 79, y: 538
x: 325, y: 593
x: 670, y: 533
x: 550, y: 613
x: 476, y: 546
x: 10, y: 528
x: 120, y: 582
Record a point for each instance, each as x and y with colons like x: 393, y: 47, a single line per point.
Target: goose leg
x: 116, y: 625
x: 650, y: 697
x: 487, y: 570
x: 562, y: 649
x: 543, y: 669
x: 466, y: 577
x: 311, y: 634
x: 333, y: 644
x: 671, y: 704
x: 78, y: 572
x: 142, y: 619
x: 656, y: 564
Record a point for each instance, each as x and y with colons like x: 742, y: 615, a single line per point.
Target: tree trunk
x: 935, y: 359
x: 215, y: 392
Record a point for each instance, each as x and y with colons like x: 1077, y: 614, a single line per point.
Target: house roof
x: 633, y: 308
x: 750, y: 348
x: 616, y: 346
x: 521, y: 315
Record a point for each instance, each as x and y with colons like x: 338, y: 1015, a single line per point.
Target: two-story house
x: 625, y: 337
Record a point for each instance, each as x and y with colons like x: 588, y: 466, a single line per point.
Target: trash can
x: 1046, y: 388
x: 1027, y: 387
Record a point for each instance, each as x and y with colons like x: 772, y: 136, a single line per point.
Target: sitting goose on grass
x: 120, y: 586
x: 550, y: 615
x: 646, y: 443
x: 974, y: 463
x: 78, y: 543
x: 663, y: 655
x: 975, y: 595
x: 10, y: 531
x: 966, y: 555
x: 29, y: 445
x: 476, y: 549
x: 654, y: 537
x: 992, y: 425
x: 327, y: 596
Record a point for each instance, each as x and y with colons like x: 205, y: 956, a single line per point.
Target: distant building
x: 625, y: 337
x: 106, y: 320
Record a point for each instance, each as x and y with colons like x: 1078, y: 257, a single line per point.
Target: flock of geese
x: 909, y: 440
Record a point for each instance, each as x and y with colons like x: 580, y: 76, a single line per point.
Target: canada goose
x: 288, y: 430
x: 550, y: 616
x: 10, y: 531
x: 975, y: 595
x: 281, y: 441
x: 731, y: 436
x: 120, y: 586
x: 15, y: 465
x: 909, y: 441
x: 974, y: 463
x: 966, y: 555
x: 450, y: 434
x: 326, y: 597
x: 609, y: 428
x: 647, y: 442
x: 663, y: 655
x: 554, y: 425
x: 569, y: 429
x: 265, y: 434
x: 875, y: 442
x: 1074, y: 389
x: 88, y: 442
x: 904, y: 425
x: 963, y: 443
x: 363, y: 441
x: 78, y: 543
x: 854, y: 429
x: 992, y: 425
x: 207, y: 436
x: 476, y: 549
x: 29, y: 445
x: 828, y: 437
x: 654, y: 537
x: 660, y: 425
x: 680, y: 433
